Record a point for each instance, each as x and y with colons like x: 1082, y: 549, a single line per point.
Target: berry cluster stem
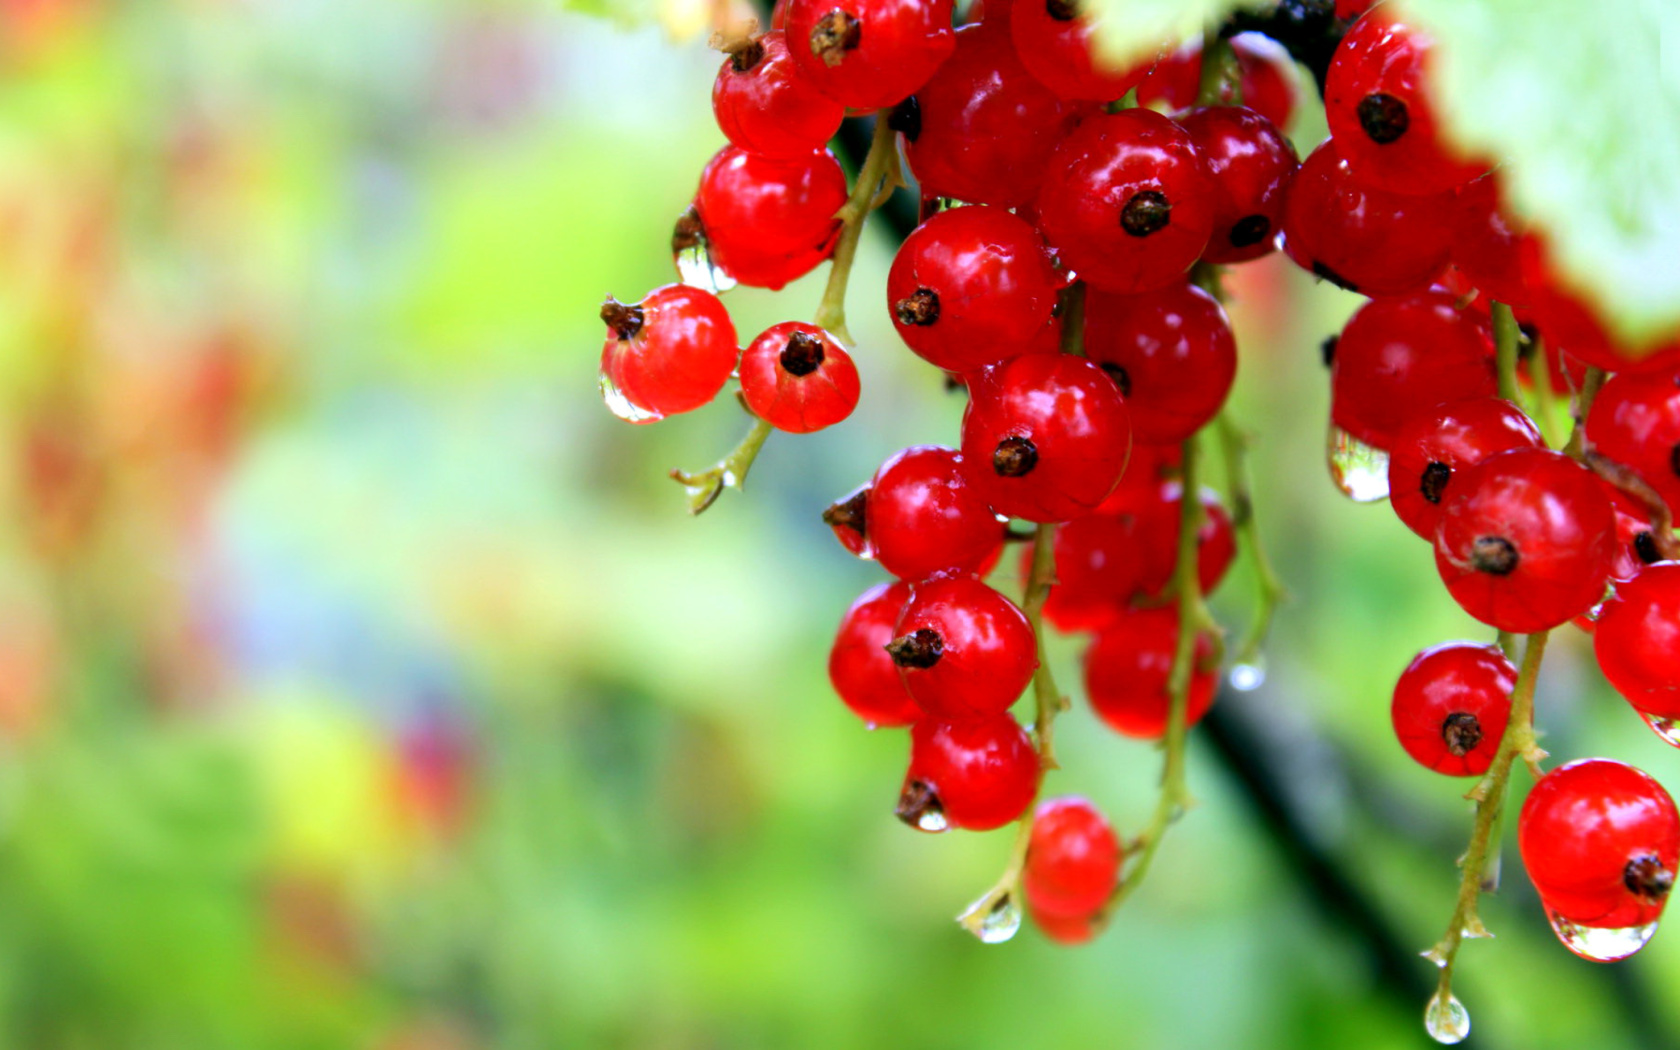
x: 1505, y: 352
x: 1269, y: 589
x: 705, y: 486
x: 876, y: 179
x: 1006, y: 889
x: 1048, y: 699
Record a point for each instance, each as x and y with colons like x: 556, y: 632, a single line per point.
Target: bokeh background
x: 363, y: 682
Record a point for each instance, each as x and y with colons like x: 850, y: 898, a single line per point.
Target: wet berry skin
x: 671, y: 352
x: 977, y: 774
x: 1638, y: 638
x: 971, y: 287
x: 1486, y: 242
x: 1126, y: 672
x: 963, y: 649
x: 1063, y: 929
x: 1045, y: 436
x: 1526, y: 540
x: 1059, y: 52
x: 1251, y: 163
x: 1635, y: 420
x: 859, y: 668
x: 1171, y: 352
x: 1432, y: 448
x: 867, y: 54
x: 1450, y: 707
x: 796, y: 377
x: 764, y: 105
x: 1073, y: 858
x: 924, y: 516
x: 1127, y: 200
x: 770, y: 220
x: 1599, y: 840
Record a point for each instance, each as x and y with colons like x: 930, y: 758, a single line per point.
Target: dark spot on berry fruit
x: 802, y: 355
x: 835, y: 33
x: 1645, y: 547
x: 1462, y: 732
x: 1120, y: 377
x: 919, y: 649
x: 625, y: 320
x: 1147, y: 212
x: 1674, y: 459
x: 1327, y: 350
x: 1383, y: 117
x: 919, y: 807
x: 919, y: 308
x: 850, y: 513
x: 1062, y: 10
x: 1646, y: 878
x: 1249, y: 230
x: 1434, y: 481
x: 954, y: 383
x: 1321, y: 270
x: 746, y: 54
x: 906, y: 119
x: 688, y: 233
x: 1494, y: 555
x: 1015, y: 456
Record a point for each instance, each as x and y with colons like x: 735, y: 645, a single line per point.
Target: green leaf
x: 1582, y: 102
x: 1128, y: 31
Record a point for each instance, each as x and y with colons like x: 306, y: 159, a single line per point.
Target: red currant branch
x: 995, y: 915
x: 1269, y: 589
x: 1583, y: 404
x: 876, y: 179
x: 1048, y: 699
x: 731, y: 471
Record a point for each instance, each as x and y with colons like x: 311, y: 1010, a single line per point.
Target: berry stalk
x: 1048, y: 699
x: 705, y: 486
x: 1269, y: 589
x: 1505, y: 352
x: 876, y: 180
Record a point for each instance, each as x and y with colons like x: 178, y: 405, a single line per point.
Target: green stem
x: 1049, y: 700
x: 1072, y: 302
x: 1002, y: 893
x: 730, y: 471
x: 1221, y: 83
x: 1584, y: 399
x: 1269, y: 589
x: 876, y: 180
x: 1505, y: 337
x: 1545, y: 397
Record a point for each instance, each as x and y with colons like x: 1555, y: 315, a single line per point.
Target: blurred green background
x: 363, y: 682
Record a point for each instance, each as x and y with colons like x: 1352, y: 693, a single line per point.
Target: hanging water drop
x: 1249, y: 676
x: 992, y: 919
x: 1597, y: 943
x: 621, y: 406
x: 1445, y: 1018
x: 692, y: 252
x: 1666, y: 728
x: 1359, y: 470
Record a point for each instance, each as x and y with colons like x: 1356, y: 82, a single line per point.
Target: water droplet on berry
x: 1446, y: 1019
x: 993, y: 921
x: 1358, y: 469
x: 1598, y: 944
x: 1667, y: 728
x: 624, y: 408
x: 695, y: 268
x: 1247, y: 677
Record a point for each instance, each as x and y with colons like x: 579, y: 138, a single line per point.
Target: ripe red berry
x: 795, y: 377
x: 1486, y: 242
x: 1054, y: 41
x: 924, y: 516
x: 1599, y: 839
x: 1045, y: 436
x: 1064, y: 929
x: 671, y: 352
x: 971, y: 287
x: 1251, y: 162
x: 978, y: 774
x: 980, y: 129
x: 1526, y: 540
x: 1170, y: 352
x: 1365, y: 240
x: 765, y: 106
x: 1127, y: 667
x: 1450, y: 707
x: 1635, y: 420
x: 1638, y: 636
x: 1264, y: 72
x: 1636, y: 539
x: 1400, y: 357
x: 769, y: 220
x: 963, y: 649
x: 1431, y: 448
x: 858, y: 665
x: 1073, y: 858
x: 1127, y: 201
x: 867, y: 54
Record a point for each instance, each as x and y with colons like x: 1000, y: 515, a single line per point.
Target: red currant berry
x: 983, y: 125
x: 1430, y: 448
x: 1451, y: 705
x: 1170, y: 352
x: 868, y: 54
x: 1127, y: 667
x: 1635, y: 420
x: 971, y: 287
x: 1637, y: 637
x: 1073, y: 858
x: 797, y: 378
x: 764, y: 106
x: 1526, y: 540
x: 671, y: 352
x: 858, y: 665
x: 1398, y: 358
x: 964, y: 649
x: 1127, y: 201
x: 924, y: 516
x: 1045, y: 436
x: 1149, y: 466
x: 1365, y: 240
x: 1054, y: 41
x: 848, y: 516
x: 1064, y: 929
x: 1264, y: 72
x: 1600, y: 839
x: 1376, y: 98
x: 769, y: 220
x: 1251, y: 162
x: 979, y: 774
x: 1486, y: 242
x: 1636, y: 537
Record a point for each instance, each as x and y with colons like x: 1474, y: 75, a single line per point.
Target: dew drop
x: 1597, y: 943
x: 1247, y: 677
x: 1000, y: 920
x: 932, y: 820
x: 621, y: 406
x: 696, y: 268
x: 1358, y: 469
x: 1667, y: 728
x: 1446, y: 1019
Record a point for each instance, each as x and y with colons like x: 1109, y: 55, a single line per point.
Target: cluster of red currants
x: 1074, y: 295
